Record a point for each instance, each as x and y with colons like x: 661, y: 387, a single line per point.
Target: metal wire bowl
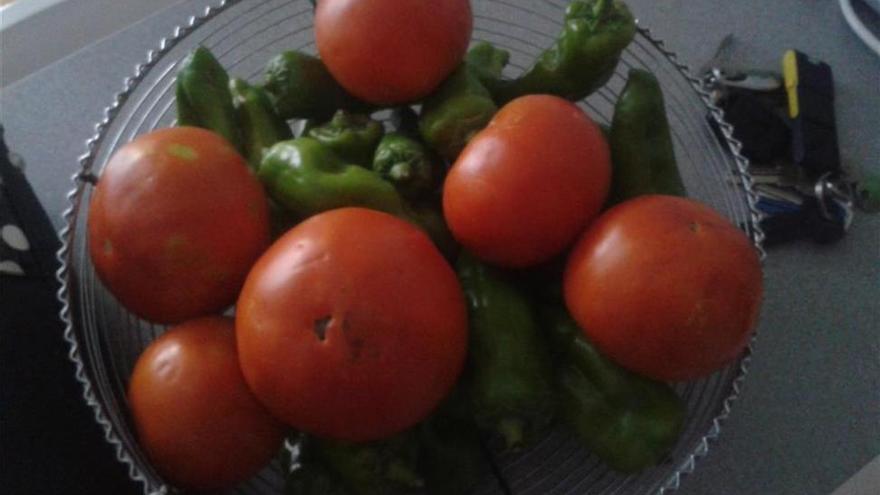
x: 105, y: 340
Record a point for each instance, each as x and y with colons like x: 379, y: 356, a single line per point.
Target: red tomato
x: 525, y: 186
x: 175, y: 222
x: 195, y: 417
x: 665, y: 286
x: 392, y: 51
x: 352, y: 326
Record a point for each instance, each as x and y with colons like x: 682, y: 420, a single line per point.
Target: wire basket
x: 105, y: 340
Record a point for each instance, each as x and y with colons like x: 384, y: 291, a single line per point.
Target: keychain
x: 787, y: 128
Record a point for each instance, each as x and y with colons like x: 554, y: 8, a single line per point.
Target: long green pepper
x: 642, y: 154
x: 260, y: 125
x: 459, y: 109
x: 310, y: 477
x: 374, y: 468
x: 583, y: 58
x: 306, y: 178
x: 301, y: 87
x: 628, y: 421
x: 203, y: 98
x: 407, y: 163
x: 511, y: 384
x: 353, y: 137
x: 306, y: 474
x: 487, y: 62
x: 452, y: 459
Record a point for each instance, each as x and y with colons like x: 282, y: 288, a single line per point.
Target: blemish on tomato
x: 108, y: 247
x: 182, y: 151
x: 695, y: 227
x: 320, y: 327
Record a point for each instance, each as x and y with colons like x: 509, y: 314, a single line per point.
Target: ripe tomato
x: 665, y: 286
x: 392, y: 51
x: 195, y: 417
x: 525, y: 186
x: 352, y: 326
x: 175, y: 222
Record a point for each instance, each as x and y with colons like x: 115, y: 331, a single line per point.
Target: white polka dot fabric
x: 16, y: 258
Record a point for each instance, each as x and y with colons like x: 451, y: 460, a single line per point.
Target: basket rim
x: 84, y: 175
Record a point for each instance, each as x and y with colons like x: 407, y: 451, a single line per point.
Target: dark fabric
x: 49, y: 441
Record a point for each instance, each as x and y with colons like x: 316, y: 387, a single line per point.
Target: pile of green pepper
x: 529, y: 366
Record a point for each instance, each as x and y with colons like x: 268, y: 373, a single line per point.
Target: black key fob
x: 810, y: 87
x: 757, y: 124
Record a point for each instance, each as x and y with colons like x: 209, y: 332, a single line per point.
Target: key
x: 806, y: 223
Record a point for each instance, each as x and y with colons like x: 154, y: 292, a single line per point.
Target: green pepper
x: 428, y: 216
x: 301, y: 87
x: 584, y: 56
x: 303, y: 177
x: 260, y: 125
x: 511, y: 378
x: 453, y: 114
x: 628, y: 421
x: 452, y: 459
x: 308, y: 475
x: 203, y: 98
x: 487, y: 62
x: 353, y: 137
x: 642, y: 155
x: 306, y: 126
x: 311, y: 478
x: 406, y: 163
x: 306, y: 178
x: 374, y: 468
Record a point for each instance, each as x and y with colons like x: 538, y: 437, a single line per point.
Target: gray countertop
x: 809, y: 415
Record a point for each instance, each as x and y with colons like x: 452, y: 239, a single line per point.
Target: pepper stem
x: 601, y: 8
x: 401, y: 474
x: 512, y: 431
x: 401, y: 171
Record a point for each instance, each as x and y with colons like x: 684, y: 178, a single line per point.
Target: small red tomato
x: 665, y: 286
x: 175, y: 222
x: 352, y: 326
x: 392, y: 51
x: 527, y: 185
x: 195, y: 417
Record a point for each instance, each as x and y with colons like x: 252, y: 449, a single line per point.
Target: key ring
x: 827, y: 190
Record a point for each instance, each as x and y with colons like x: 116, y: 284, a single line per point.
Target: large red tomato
x: 175, y: 222
x: 526, y: 186
x: 665, y: 286
x: 351, y: 326
x: 195, y: 417
x: 392, y: 51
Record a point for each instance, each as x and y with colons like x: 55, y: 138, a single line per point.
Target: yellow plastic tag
x: 790, y: 73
